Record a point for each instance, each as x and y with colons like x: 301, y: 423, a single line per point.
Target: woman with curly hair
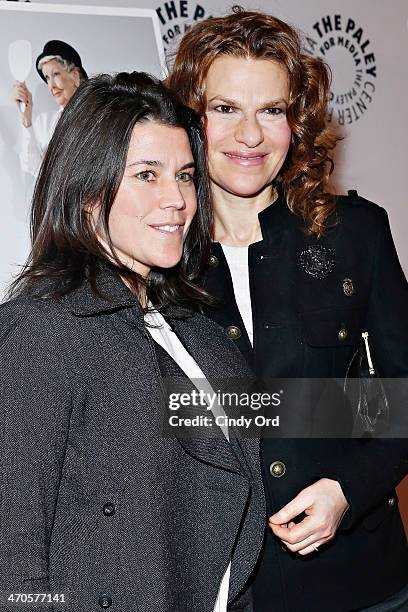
x: 299, y: 275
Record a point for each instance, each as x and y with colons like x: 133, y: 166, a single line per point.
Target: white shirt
x: 237, y: 259
x: 35, y: 139
x: 167, y: 339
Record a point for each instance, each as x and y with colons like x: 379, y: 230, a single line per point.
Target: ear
x: 76, y: 75
x: 91, y: 208
x: 92, y: 216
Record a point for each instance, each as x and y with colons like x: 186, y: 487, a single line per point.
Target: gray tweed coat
x: 95, y: 502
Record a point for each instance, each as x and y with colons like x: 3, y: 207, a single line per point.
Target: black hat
x: 64, y: 50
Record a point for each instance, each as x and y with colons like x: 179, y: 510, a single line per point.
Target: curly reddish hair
x: 251, y: 34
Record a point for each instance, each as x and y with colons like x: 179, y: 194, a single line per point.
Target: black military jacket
x: 311, y: 300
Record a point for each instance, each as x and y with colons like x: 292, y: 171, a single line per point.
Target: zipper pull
x: 367, y: 347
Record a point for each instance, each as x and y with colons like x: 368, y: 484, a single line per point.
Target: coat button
x: 233, y: 332
x: 343, y: 333
x: 391, y: 502
x: 348, y: 287
x: 105, y: 601
x: 213, y: 261
x: 277, y: 469
x: 109, y: 509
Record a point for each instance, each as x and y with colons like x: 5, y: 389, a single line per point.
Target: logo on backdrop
x: 345, y: 47
x: 176, y: 17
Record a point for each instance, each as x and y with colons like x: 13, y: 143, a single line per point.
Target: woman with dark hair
x: 60, y: 67
x: 102, y: 502
x: 300, y: 275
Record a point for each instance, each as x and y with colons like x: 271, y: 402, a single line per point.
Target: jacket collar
x: 276, y: 218
x: 111, y: 294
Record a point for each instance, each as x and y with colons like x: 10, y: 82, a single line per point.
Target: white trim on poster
x: 114, y: 11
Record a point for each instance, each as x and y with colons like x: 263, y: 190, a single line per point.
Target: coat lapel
x: 206, y: 444
x: 227, y: 373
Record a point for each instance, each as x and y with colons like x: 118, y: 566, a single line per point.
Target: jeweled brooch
x: 317, y: 260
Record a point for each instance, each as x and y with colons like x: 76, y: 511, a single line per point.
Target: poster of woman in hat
x: 60, y: 66
x: 28, y: 34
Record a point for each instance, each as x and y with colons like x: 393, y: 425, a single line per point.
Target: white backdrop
x: 365, y: 42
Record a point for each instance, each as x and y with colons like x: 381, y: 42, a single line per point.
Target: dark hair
x: 305, y: 173
x: 84, y: 164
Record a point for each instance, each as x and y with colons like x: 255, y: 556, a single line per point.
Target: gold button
x: 277, y: 469
x: 233, y: 332
x: 213, y: 261
x: 348, y: 287
x: 343, y: 333
x: 391, y: 501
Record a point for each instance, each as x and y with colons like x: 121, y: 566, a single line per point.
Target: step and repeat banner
x: 365, y: 44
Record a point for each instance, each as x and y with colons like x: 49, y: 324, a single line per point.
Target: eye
x: 146, y: 175
x: 275, y: 111
x: 185, y: 177
x: 224, y: 109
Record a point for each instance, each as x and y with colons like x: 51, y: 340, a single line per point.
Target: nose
x: 249, y: 132
x: 173, y: 197
x: 51, y: 83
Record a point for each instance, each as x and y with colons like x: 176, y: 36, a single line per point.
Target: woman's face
x: 248, y: 133
x: 61, y: 83
x: 156, y: 200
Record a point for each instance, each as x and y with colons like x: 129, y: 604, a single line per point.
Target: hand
x: 23, y: 94
x: 324, y: 505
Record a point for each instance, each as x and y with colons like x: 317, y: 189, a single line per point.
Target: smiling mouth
x: 166, y: 229
x: 246, y: 157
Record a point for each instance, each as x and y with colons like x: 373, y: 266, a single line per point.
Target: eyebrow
x: 154, y: 163
x: 231, y: 102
